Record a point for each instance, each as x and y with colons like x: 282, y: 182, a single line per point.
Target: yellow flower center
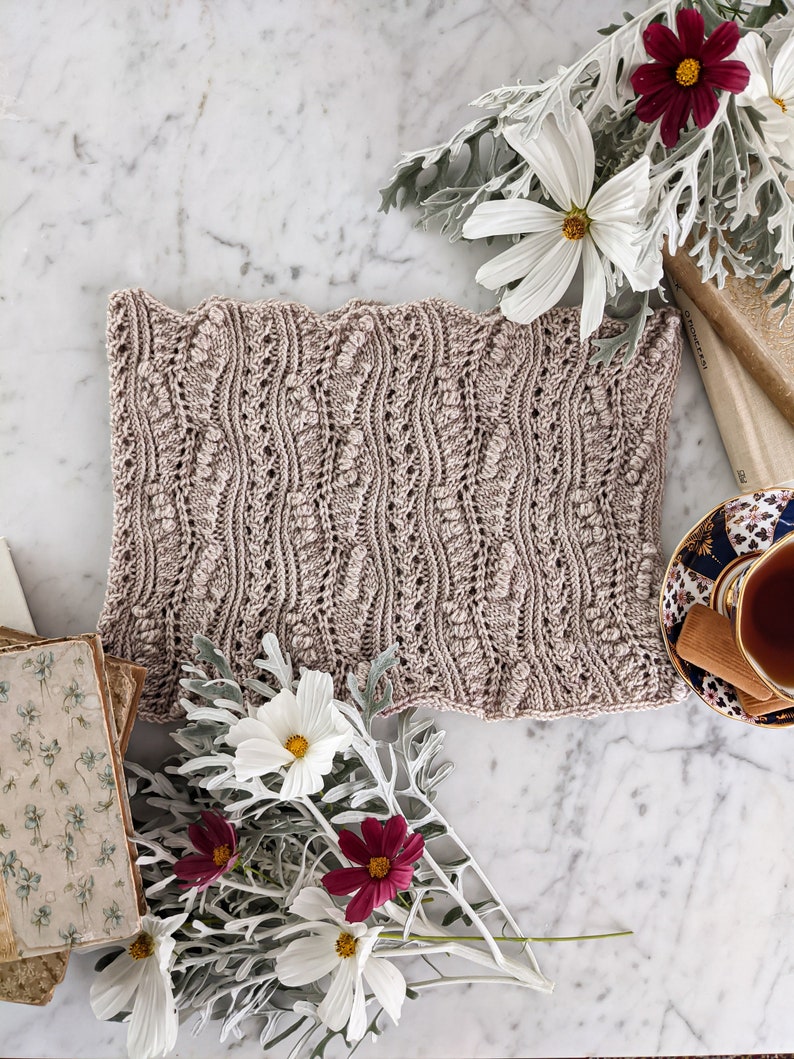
x: 297, y: 745
x: 575, y: 224
x: 221, y: 855
x: 378, y: 867
x: 781, y: 103
x: 142, y: 947
x: 345, y: 946
x: 687, y: 72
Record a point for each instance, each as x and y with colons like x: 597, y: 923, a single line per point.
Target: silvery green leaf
x: 627, y: 339
x: 207, y: 652
x: 224, y: 957
x: 274, y: 661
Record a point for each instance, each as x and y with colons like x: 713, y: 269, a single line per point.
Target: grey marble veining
x: 237, y: 147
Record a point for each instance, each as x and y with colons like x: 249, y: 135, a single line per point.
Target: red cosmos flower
x: 687, y: 74
x: 385, y: 870
x: 216, y: 842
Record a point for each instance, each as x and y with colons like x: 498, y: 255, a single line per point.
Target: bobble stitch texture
x: 469, y: 487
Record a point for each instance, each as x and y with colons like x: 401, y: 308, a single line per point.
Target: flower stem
x: 255, y: 871
x: 321, y: 820
x: 393, y: 936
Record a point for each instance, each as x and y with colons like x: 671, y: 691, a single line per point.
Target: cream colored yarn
x: 469, y: 487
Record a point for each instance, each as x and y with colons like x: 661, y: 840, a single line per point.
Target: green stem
x: 255, y: 871
x: 393, y: 936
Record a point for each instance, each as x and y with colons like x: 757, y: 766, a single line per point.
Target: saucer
x: 703, y: 568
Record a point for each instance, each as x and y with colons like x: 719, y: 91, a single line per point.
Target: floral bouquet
x: 678, y: 127
x: 294, y: 862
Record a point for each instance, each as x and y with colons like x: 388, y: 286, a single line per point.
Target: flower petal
x: 322, y: 751
x: 336, y: 1005
x: 315, y: 693
x: 621, y: 244
x: 623, y: 196
x: 400, y: 877
x: 357, y: 1022
x: 414, y: 848
x: 247, y: 728
x: 307, y: 960
x: 385, y: 890
x: 783, y: 72
x: 514, y: 263
x: 282, y: 716
x: 256, y: 757
x: 729, y: 75
x: 219, y: 829
x: 563, y: 159
x: 721, y: 43
x: 510, y: 217
x: 163, y: 929
x: 651, y: 107
x: 372, y: 833
x: 345, y: 880
x: 675, y: 118
x: 704, y: 105
x: 751, y: 50
x: 554, y: 262
x: 662, y: 44
x: 301, y: 779
x: 691, y: 31
x: 312, y: 903
x: 361, y: 906
x: 194, y: 865
x: 651, y: 77
x: 154, y: 1023
x: 114, y: 985
x: 353, y: 848
x: 393, y: 835
x: 201, y: 839
x: 778, y: 128
x: 387, y: 984
x: 594, y: 290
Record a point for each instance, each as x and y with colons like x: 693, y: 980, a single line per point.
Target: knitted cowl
x: 472, y: 488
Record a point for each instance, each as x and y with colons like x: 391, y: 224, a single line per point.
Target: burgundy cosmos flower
x: 687, y: 73
x: 216, y: 842
x: 384, y: 869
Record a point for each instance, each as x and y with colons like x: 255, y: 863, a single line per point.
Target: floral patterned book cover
x: 67, y: 873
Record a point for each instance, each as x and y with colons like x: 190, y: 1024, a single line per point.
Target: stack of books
x: 68, y: 875
x: 744, y: 349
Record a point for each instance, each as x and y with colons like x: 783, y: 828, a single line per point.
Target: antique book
x: 125, y: 682
x: 758, y: 439
x: 33, y: 980
x: 13, y: 605
x: 67, y: 864
x: 760, y: 337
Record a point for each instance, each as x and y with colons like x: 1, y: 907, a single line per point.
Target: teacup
x: 762, y: 613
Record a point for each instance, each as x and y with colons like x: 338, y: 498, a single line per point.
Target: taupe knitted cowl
x: 469, y: 487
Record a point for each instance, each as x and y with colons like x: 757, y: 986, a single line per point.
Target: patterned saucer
x: 704, y: 565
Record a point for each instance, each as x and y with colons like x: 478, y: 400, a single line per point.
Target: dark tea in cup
x: 765, y: 617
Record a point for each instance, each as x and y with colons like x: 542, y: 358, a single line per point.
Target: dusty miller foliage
x: 718, y: 187
x: 224, y: 965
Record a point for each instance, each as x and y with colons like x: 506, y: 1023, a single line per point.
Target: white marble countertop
x: 227, y: 146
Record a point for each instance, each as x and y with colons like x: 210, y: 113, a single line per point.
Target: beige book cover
x: 760, y: 337
x: 67, y: 873
x: 13, y: 605
x: 758, y: 439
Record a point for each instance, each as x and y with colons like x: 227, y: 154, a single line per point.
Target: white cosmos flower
x: 297, y: 733
x: 140, y: 978
x: 343, y: 951
x: 586, y: 226
x: 770, y: 90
